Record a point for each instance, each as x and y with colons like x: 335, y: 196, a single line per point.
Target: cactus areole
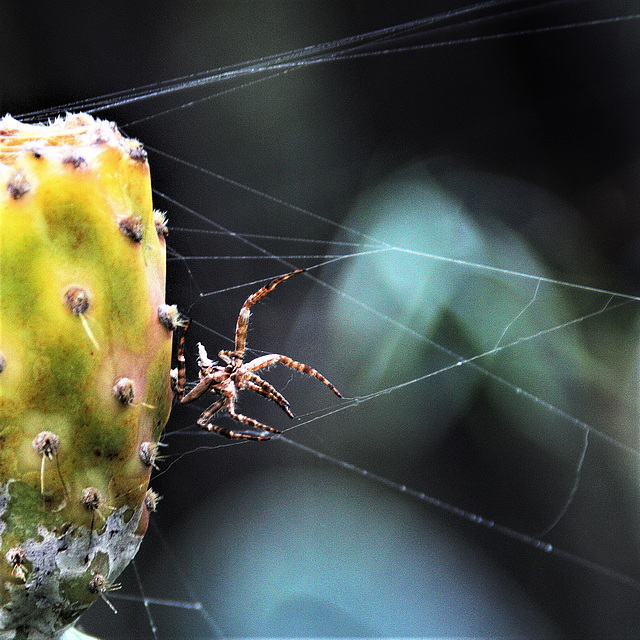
x: 85, y: 355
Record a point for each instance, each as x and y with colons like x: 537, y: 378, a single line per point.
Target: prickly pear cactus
x: 85, y: 350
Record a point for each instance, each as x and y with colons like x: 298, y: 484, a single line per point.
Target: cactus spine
x: 85, y: 351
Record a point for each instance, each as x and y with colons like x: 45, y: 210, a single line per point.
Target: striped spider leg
x: 225, y: 381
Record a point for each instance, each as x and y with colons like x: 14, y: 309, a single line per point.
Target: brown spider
x: 227, y: 380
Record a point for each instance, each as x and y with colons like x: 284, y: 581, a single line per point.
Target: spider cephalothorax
x: 227, y: 380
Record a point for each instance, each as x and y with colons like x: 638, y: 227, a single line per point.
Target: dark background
x: 558, y: 110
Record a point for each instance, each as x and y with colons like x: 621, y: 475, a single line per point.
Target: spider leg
x: 227, y: 356
x: 243, y: 319
x: 227, y: 401
x: 231, y: 410
x: 272, y: 358
x: 207, y: 414
x: 182, y: 365
x: 255, y: 383
x: 235, y: 435
x: 204, y: 385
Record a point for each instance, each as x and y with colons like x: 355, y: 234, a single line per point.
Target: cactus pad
x: 85, y: 350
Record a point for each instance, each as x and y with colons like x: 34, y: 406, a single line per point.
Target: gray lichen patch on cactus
x: 5, y: 496
x: 59, y: 568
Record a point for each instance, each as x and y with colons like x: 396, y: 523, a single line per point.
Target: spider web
x: 463, y: 292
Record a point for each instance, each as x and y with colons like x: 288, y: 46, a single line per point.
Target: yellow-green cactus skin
x: 85, y: 355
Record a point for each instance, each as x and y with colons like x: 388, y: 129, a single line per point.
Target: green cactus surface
x: 85, y: 354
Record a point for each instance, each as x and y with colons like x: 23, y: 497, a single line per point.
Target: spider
x: 235, y: 375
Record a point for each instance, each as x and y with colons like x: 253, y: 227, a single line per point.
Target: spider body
x: 226, y: 380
